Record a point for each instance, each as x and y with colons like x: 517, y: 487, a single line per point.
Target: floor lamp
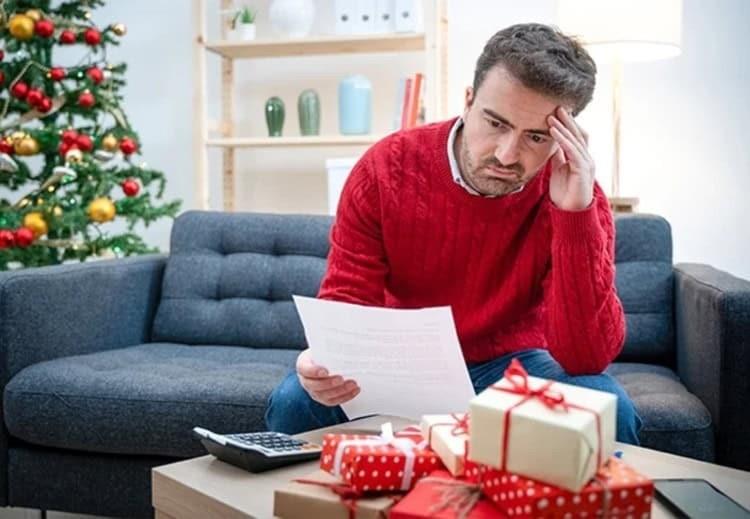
x: 619, y: 31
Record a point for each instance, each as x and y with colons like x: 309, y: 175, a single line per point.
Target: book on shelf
x: 410, y: 109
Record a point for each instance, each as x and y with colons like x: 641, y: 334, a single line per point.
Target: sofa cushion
x: 230, y: 279
x: 674, y: 420
x: 644, y: 280
x: 143, y: 399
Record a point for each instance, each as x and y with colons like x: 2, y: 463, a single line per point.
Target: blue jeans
x: 291, y: 410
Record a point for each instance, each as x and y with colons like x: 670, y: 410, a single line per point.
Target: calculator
x: 258, y: 451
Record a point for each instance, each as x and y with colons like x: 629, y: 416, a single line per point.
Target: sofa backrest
x: 643, y: 258
x: 230, y: 277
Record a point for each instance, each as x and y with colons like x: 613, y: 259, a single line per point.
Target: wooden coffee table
x: 204, y: 488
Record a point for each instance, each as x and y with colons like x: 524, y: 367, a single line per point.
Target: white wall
x: 684, y: 122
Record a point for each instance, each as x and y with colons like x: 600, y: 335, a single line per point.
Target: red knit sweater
x: 517, y: 271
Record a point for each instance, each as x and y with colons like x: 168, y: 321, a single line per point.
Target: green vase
x: 308, y: 107
x: 275, y: 116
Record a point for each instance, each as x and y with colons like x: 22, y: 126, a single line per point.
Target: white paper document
x: 407, y: 362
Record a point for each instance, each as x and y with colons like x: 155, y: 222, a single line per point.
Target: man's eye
x: 493, y: 123
x: 537, y: 139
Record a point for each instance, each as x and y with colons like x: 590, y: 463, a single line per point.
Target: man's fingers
x: 344, y: 398
x: 562, y: 130
x: 308, y: 369
x: 570, y: 149
x: 337, y: 391
x: 323, y: 384
x: 572, y: 126
x: 558, y: 159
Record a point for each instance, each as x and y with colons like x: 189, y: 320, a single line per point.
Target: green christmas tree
x: 68, y: 154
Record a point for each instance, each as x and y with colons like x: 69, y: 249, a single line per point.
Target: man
x: 496, y: 214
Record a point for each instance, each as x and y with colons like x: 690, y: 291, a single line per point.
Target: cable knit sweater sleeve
x: 585, y: 325
x: 356, y: 262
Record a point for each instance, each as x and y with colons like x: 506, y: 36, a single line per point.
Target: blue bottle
x: 355, y: 105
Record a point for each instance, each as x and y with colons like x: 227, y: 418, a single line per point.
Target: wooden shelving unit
x: 432, y: 43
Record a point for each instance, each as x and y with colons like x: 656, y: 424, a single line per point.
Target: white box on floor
x: 338, y: 171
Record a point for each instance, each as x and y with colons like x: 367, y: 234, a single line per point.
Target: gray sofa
x: 106, y: 366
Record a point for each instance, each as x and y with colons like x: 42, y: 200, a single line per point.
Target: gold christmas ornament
x: 34, y: 14
x: 119, y: 29
x: 17, y: 136
x: 57, y: 211
x: 74, y: 156
x: 109, y: 142
x: 35, y: 222
x: 27, y: 146
x: 21, y: 26
x: 101, y: 210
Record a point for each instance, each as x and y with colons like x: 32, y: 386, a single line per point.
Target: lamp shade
x: 624, y: 30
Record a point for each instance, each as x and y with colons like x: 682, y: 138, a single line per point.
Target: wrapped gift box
x: 442, y: 497
x: 316, y: 495
x: 378, y: 464
x: 617, y: 491
x: 448, y: 436
x: 556, y: 433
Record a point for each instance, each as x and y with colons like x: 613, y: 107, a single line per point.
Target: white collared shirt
x: 456, y: 172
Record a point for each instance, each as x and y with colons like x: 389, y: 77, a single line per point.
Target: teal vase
x: 355, y: 105
x: 275, y: 116
x: 308, y: 107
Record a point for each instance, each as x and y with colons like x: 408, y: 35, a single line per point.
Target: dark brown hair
x: 543, y: 59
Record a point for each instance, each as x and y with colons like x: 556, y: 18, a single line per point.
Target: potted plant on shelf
x: 243, y: 25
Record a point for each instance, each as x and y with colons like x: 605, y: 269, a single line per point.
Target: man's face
x: 505, y: 138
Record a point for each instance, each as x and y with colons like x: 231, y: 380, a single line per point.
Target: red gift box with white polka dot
x: 371, y: 464
x: 617, y: 491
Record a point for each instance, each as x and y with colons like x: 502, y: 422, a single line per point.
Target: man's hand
x: 330, y: 390
x: 571, y: 186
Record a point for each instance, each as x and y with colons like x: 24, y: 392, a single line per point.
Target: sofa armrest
x: 712, y: 310
x: 73, y: 309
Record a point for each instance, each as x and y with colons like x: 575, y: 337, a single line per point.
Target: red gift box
x: 617, y: 491
x: 377, y: 463
x: 442, y: 497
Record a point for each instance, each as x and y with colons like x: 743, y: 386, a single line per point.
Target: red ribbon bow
x: 518, y: 378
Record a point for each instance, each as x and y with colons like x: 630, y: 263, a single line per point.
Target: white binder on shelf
x: 384, y: 16
x: 408, y: 16
x: 344, y: 11
x: 364, y: 17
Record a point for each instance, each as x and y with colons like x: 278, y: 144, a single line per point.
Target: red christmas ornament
x: 67, y: 37
x: 84, y: 142
x: 96, y: 75
x: 57, y: 73
x: 92, y: 37
x: 34, y: 97
x: 86, y: 99
x: 44, y: 28
x: 7, y: 239
x: 65, y: 148
x: 24, y: 237
x: 45, y: 105
x: 69, y: 137
x: 6, y: 147
x: 19, y: 90
x: 128, y: 146
x: 2, y: 77
x: 130, y: 187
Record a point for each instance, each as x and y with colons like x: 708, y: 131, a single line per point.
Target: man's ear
x: 468, y: 99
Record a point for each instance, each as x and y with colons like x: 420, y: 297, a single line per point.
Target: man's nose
x: 507, y: 150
